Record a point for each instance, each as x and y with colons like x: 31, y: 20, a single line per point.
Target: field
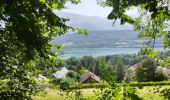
x: 53, y: 94
x: 145, y: 93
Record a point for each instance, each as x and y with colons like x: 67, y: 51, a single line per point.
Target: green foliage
x: 121, y: 91
x: 146, y: 72
x: 82, y: 31
x: 46, y: 66
x: 152, y: 21
x: 74, y: 75
x: 141, y: 84
x: 120, y: 70
x: 88, y: 62
x: 165, y: 63
x: 152, y: 29
x: 155, y: 7
x: 66, y: 89
x: 128, y: 60
x: 97, y: 68
x: 94, y: 85
x: 73, y: 63
x: 66, y: 83
x: 166, y: 93
x: 150, y: 53
x: 110, y: 93
x: 26, y: 28
x: 105, y: 71
x: 107, y: 74
x: 133, y: 84
x: 130, y: 92
x: 105, y: 67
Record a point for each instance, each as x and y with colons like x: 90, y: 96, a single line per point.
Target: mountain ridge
x: 92, y: 23
x: 98, y: 39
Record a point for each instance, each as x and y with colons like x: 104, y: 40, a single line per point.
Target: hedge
x: 92, y: 85
x: 104, y: 85
x: 149, y: 83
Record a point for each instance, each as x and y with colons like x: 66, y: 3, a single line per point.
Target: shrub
x: 146, y: 72
x: 66, y: 83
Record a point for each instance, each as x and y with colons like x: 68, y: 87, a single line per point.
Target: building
x: 89, y: 77
x: 129, y: 74
x: 61, y: 73
x: 166, y: 71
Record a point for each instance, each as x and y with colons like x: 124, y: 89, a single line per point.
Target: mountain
x: 92, y: 23
x: 100, y: 39
x: 102, y: 33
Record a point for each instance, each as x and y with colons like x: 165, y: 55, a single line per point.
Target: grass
x: 53, y: 94
x: 145, y: 93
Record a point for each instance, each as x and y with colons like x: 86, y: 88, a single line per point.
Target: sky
x: 91, y: 8
x: 88, y: 8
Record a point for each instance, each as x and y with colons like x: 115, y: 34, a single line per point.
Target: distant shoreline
x: 106, y: 47
x: 95, y: 52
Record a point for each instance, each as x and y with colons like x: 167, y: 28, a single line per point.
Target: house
x: 135, y: 66
x: 166, y: 71
x: 89, y: 77
x: 61, y: 73
x: 129, y: 74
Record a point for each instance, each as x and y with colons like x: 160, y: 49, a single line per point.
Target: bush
x: 66, y: 83
x: 146, y: 72
x: 73, y: 74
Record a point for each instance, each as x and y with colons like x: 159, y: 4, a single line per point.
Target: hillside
x: 92, y: 23
x: 99, y: 39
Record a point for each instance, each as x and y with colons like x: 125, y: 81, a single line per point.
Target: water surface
x: 79, y: 52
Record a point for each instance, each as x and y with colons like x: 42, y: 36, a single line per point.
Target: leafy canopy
x: 151, y: 21
x: 26, y: 28
x: 120, y: 7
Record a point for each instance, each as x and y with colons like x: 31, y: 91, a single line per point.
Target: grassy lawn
x: 145, y: 93
x: 53, y: 94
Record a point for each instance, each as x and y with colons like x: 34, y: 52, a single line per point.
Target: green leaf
x: 83, y: 31
x: 42, y: 1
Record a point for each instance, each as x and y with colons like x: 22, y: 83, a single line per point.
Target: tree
x: 73, y: 63
x: 87, y: 61
x: 107, y: 73
x: 74, y: 75
x: 152, y: 21
x: 120, y: 71
x: 26, y: 28
x: 97, y: 68
x: 147, y: 71
x: 90, y: 68
x: 119, y: 11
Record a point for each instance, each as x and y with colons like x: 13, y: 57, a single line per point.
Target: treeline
x: 109, y: 68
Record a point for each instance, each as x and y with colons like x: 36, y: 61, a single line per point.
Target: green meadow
x: 147, y: 93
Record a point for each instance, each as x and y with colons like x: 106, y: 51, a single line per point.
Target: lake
x: 79, y: 52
